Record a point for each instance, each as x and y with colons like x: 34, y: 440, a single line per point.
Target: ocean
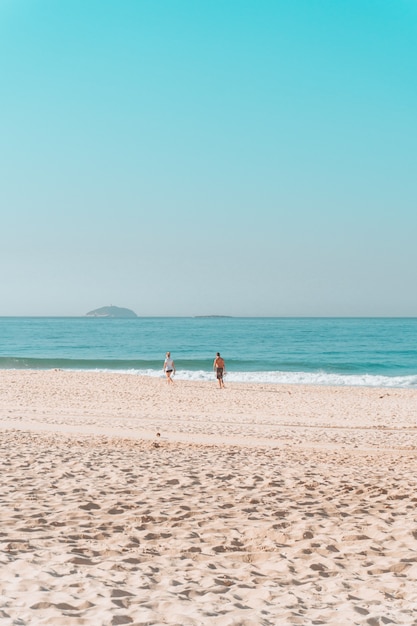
x: 321, y: 351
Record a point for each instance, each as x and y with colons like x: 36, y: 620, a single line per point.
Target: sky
x: 198, y: 157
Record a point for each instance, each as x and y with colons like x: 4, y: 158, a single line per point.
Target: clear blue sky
x: 187, y: 157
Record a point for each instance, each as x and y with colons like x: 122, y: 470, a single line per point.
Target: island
x: 212, y: 316
x: 111, y: 311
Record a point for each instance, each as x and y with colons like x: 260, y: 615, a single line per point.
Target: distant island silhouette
x: 111, y: 311
x: 205, y: 316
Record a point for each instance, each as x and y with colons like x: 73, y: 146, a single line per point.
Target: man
x: 220, y: 369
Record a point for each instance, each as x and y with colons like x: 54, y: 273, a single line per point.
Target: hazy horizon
x: 221, y: 316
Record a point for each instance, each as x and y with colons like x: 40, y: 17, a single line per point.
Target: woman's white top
x: 169, y: 364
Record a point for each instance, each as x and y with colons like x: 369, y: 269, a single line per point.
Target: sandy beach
x: 128, y: 501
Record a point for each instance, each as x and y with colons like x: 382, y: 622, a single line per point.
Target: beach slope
x: 128, y: 501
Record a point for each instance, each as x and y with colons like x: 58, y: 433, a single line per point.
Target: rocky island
x: 111, y: 311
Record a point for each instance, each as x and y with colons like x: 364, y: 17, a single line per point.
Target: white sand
x: 256, y: 505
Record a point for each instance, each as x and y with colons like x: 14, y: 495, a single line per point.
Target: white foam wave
x: 292, y: 378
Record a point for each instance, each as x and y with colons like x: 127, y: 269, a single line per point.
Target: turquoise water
x: 342, y: 351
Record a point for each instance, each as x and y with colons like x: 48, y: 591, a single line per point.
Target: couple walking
x: 218, y: 366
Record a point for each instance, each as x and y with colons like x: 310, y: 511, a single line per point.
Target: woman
x: 169, y: 367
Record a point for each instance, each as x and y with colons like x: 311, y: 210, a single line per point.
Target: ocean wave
x: 154, y: 370
x: 291, y: 378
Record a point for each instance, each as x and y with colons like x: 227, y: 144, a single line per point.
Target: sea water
x: 328, y: 351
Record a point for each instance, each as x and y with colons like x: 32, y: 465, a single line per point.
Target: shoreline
x: 139, y: 406
x: 256, y: 504
x: 247, y: 377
